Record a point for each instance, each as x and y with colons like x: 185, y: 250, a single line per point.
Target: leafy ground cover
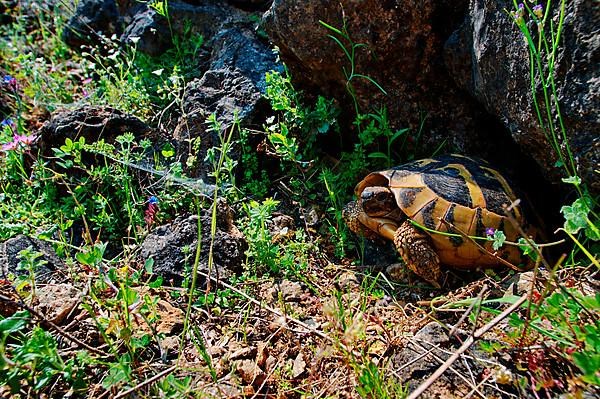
x: 305, y: 317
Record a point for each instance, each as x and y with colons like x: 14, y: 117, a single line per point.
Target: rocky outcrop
x: 232, y: 88
x: 155, y: 32
x: 91, y: 19
x: 488, y: 57
x: 401, y: 49
x: 231, y: 65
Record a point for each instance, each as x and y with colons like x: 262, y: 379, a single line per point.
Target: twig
x: 53, y: 326
x: 468, y: 342
x: 529, y: 241
x: 146, y: 382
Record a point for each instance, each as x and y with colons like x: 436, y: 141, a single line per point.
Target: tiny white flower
x: 158, y: 72
x: 135, y: 39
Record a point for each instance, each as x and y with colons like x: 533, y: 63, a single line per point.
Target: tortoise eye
x: 383, y: 197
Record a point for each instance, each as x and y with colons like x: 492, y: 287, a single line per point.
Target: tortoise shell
x: 463, y: 191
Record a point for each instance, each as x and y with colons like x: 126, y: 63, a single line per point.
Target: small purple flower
x: 9, y: 123
x: 10, y: 82
x: 519, y: 13
x: 20, y: 141
x: 490, y: 231
x: 538, y: 10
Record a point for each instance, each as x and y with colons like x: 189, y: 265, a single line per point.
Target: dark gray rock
x: 224, y: 92
x: 426, y: 351
x: 235, y: 81
x: 93, y: 123
x: 488, y: 57
x: 10, y: 259
x: 173, y: 246
x: 232, y: 87
x: 149, y: 32
x: 91, y: 19
x: 251, y: 5
x: 240, y: 49
x: 203, y: 17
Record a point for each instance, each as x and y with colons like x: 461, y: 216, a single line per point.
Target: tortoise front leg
x: 414, y: 247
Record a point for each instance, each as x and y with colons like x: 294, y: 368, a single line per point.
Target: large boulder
x: 92, y: 122
x: 232, y: 88
x: 402, y: 51
x: 488, y: 57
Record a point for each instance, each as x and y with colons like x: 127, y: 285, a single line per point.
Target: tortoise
x: 447, y: 194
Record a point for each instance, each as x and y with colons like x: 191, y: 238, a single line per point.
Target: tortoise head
x: 378, y: 201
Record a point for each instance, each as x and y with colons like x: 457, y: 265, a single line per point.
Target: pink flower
x: 151, y: 211
x: 13, y: 145
x: 24, y: 139
x: 19, y: 141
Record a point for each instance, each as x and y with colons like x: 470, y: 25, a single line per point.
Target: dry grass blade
x: 468, y: 342
x: 469, y: 310
x: 146, y: 382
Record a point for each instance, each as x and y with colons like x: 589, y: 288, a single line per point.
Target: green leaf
x: 398, y: 134
x: 331, y: 28
x: 499, y: 239
x: 589, y: 363
x: 156, y: 283
x: 377, y: 155
x: 167, y: 151
x: 15, y: 322
x: 527, y: 249
x: 93, y: 256
x: 575, y: 215
x: 576, y: 180
x: 148, y: 265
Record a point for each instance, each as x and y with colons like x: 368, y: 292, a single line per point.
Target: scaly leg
x: 414, y: 247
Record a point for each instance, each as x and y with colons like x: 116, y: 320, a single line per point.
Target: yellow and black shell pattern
x: 465, y: 192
